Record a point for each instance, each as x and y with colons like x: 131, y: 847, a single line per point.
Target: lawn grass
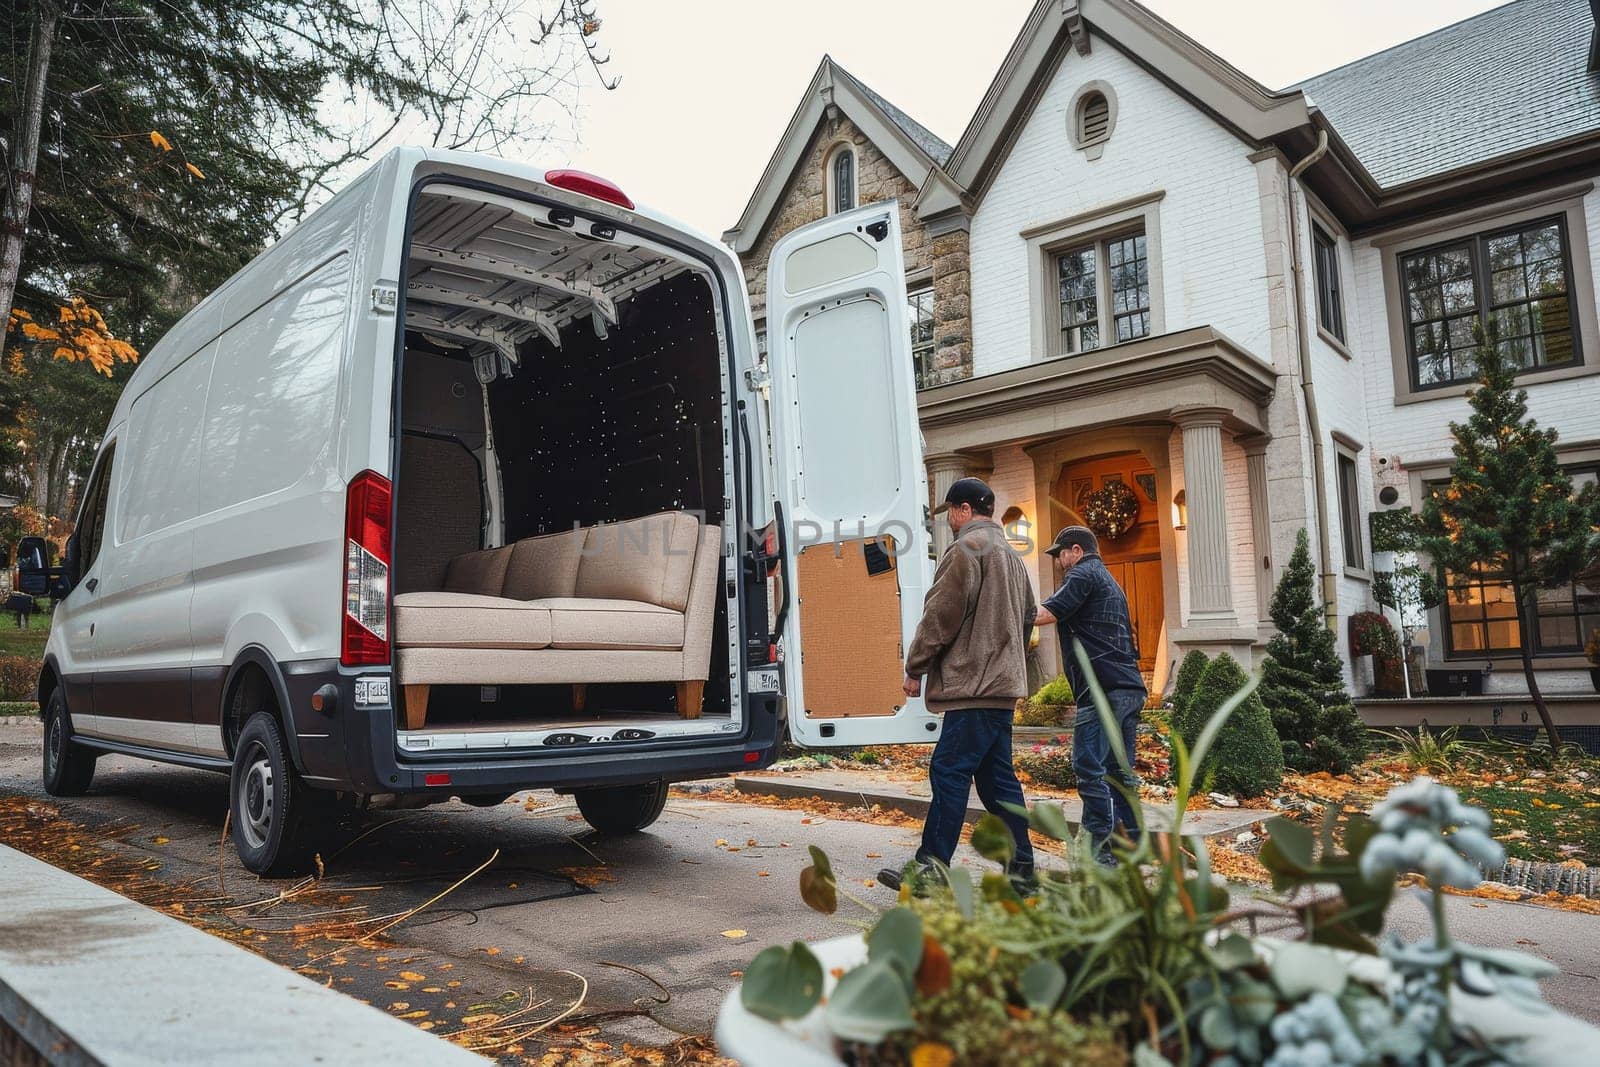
x: 18, y: 707
x: 29, y: 642
x: 1539, y: 822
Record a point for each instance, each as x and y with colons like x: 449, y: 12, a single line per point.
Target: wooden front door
x: 1134, y: 559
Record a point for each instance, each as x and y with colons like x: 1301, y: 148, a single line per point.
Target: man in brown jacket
x: 972, y: 646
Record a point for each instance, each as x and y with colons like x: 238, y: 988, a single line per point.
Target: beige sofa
x: 631, y: 601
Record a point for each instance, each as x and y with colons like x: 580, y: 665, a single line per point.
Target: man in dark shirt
x: 1090, y: 608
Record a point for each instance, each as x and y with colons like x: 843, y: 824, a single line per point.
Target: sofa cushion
x: 584, y: 622
x: 649, y: 559
x: 468, y: 620
x: 483, y: 572
x: 544, y: 566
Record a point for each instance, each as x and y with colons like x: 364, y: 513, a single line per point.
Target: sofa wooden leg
x: 580, y: 697
x: 690, y: 696
x: 416, y: 698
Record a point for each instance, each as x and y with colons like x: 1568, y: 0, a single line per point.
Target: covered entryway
x: 1134, y: 556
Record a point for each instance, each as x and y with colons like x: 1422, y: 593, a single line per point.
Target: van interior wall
x: 604, y: 429
x: 440, y: 510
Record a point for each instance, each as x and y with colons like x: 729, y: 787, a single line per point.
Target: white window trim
x: 1042, y: 242
x: 1092, y: 148
x: 828, y: 189
x: 1347, y: 448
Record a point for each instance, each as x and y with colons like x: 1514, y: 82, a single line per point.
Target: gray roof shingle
x: 1508, y: 79
x: 931, y: 144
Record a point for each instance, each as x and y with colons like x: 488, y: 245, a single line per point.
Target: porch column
x: 1210, y: 591
x: 944, y: 468
x: 1255, y: 459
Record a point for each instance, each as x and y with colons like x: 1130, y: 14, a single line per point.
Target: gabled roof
x: 1055, y: 27
x: 931, y: 143
x: 1506, y: 80
x: 913, y: 149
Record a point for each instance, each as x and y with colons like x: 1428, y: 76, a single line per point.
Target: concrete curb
x: 89, y: 978
x: 1230, y: 822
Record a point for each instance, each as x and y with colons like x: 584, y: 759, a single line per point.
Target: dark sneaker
x: 893, y: 877
x: 1023, y: 880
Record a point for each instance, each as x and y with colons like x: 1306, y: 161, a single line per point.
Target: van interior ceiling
x: 559, y: 376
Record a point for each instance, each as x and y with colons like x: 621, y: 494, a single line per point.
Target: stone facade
x: 941, y: 261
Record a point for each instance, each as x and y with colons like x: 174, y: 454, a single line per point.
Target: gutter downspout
x: 1330, y: 580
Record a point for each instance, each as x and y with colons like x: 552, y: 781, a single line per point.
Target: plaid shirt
x: 1091, y: 607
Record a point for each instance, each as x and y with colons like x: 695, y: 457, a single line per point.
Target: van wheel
x: 68, y: 768
x: 273, y: 811
x: 622, y: 809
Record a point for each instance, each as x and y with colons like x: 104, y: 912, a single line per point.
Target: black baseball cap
x: 969, y: 491
x: 1081, y: 536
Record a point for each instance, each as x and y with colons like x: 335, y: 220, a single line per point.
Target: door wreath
x: 1111, y: 510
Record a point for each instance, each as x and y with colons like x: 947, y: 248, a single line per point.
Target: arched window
x: 842, y: 180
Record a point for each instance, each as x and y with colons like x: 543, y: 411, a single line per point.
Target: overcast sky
x: 707, y: 86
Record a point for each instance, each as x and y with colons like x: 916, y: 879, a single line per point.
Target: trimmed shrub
x: 1247, y: 758
x: 1047, y: 765
x: 1056, y: 691
x: 18, y: 676
x: 1189, y: 671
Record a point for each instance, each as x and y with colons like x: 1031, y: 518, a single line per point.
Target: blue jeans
x: 975, y: 746
x: 1105, y: 808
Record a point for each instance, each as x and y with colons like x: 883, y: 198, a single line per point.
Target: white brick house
x: 1230, y: 299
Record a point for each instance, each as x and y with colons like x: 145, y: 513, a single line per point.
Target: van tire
x: 68, y: 768
x: 622, y: 809
x: 274, y: 813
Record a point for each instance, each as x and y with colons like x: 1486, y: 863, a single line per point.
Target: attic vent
x: 1094, y: 118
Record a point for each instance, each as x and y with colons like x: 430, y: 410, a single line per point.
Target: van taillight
x: 577, y: 181
x: 365, y: 630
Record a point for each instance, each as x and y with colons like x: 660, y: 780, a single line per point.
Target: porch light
x: 1180, y: 511
x: 1019, y: 531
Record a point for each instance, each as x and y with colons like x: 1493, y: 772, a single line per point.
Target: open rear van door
x: 849, y: 457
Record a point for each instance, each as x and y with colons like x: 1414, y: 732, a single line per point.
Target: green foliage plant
x: 1189, y: 672
x: 1141, y: 960
x: 1424, y: 752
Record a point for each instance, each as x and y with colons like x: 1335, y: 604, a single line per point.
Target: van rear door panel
x: 849, y: 459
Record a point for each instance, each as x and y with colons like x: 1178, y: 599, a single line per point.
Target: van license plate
x: 763, y: 681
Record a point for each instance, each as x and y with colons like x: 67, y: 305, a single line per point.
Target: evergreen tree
x: 1303, y: 681
x: 1247, y: 759
x: 1508, y: 513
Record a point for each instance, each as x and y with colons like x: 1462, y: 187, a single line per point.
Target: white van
x: 464, y: 487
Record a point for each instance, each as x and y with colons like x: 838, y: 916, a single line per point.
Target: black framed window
x: 1130, y: 287
x: 919, y: 308
x: 1330, y: 297
x: 844, y: 180
x: 92, y: 520
x: 1079, y: 283
x: 1514, y: 281
x: 1480, y: 613
x: 1102, y: 292
x: 1350, y: 512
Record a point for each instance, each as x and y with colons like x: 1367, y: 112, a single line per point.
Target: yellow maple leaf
x: 932, y: 1054
x: 160, y: 141
x: 192, y: 169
